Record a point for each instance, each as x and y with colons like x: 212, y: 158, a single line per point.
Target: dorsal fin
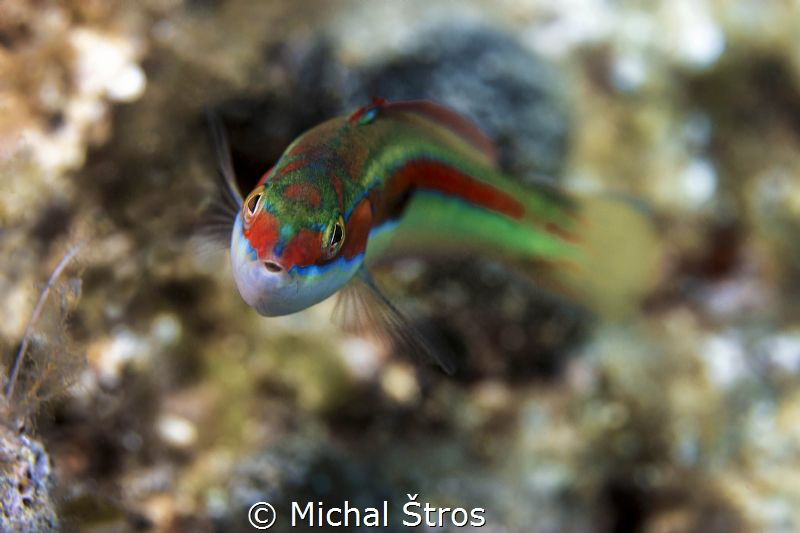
x: 449, y: 119
x: 367, y: 113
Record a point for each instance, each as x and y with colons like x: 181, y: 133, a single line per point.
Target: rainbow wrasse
x: 340, y: 191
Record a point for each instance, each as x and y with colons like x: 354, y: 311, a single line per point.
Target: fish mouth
x: 281, y: 300
x: 273, y: 266
x: 261, y: 281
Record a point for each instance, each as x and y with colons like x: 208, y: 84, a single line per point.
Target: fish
x: 412, y: 174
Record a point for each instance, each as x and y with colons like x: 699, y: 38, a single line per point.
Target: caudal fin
x: 622, y: 255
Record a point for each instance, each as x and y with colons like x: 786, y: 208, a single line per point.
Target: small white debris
x: 166, y: 328
x: 699, y: 182
x: 725, y: 359
x: 361, y: 357
x: 567, y: 24
x: 111, y: 356
x: 106, y: 64
x: 176, y: 431
x: 691, y: 34
x: 628, y: 72
x: 400, y: 384
x: 128, y: 85
x: 783, y: 351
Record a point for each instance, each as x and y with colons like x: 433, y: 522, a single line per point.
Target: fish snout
x: 272, y: 269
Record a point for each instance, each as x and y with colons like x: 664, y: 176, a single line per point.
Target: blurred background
x: 153, y: 399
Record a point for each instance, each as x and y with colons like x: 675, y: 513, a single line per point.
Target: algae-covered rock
x: 465, y: 67
x: 26, y: 485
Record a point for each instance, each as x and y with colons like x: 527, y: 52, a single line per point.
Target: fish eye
x: 251, y: 205
x: 334, y: 242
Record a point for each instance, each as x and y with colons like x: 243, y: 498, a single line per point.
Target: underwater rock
x: 517, y: 98
x: 299, y: 469
x: 63, y: 66
x: 26, y: 480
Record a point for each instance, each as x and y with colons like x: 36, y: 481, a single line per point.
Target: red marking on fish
x: 443, y: 178
x: 293, y: 165
x: 357, y: 226
x: 337, y: 187
x: 302, y: 250
x: 303, y: 192
x: 262, y: 234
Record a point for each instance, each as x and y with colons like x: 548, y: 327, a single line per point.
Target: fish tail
x: 603, y: 248
x: 600, y: 250
x: 621, y: 254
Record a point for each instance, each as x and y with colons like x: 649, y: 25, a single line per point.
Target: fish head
x: 288, y: 254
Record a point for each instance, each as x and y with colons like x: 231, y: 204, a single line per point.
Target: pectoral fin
x: 216, y: 221
x: 363, y: 309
